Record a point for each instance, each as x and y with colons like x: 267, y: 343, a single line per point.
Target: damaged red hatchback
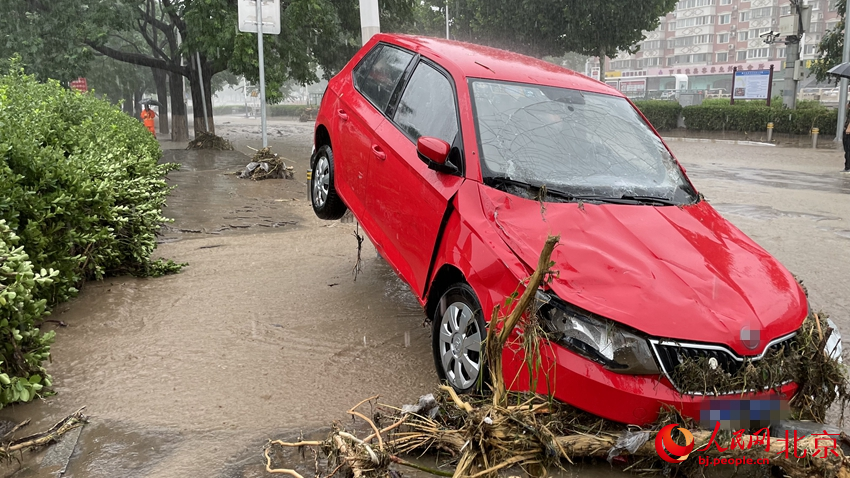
x: 459, y: 160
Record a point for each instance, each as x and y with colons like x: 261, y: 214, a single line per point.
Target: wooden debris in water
x: 72, y: 421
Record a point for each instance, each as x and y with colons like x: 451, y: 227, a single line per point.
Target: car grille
x: 671, y: 354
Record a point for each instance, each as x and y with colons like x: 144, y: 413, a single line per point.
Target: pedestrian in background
x: 148, y: 115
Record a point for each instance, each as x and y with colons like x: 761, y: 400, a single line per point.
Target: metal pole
x: 842, y: 85
x: 203, y: 94
x: 262, y: 71
x: 370, y: 20
x: 447, y: 19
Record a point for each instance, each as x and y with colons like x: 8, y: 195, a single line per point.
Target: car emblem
x: 750, y: 338
x: 712, y: 363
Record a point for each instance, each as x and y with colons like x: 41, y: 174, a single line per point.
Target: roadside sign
x: 80, y: 84
x: 248, y: 16
x: 260, y: 17
x: 752, y: 85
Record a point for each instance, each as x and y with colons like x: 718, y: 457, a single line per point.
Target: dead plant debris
x: 8, y: 447
x: 267, y: 165
x: 207, y: 140
x: 487, y: 435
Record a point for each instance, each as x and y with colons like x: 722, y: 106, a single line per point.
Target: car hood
x: 683, y: 273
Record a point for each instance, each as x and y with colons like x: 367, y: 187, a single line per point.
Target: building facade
x: 707, y: 39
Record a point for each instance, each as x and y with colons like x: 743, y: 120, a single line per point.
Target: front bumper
x: 629, y: 399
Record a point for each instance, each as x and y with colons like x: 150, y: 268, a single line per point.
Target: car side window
x: 427, y: 107
x: 377, y: 76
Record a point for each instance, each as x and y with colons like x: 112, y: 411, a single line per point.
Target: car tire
x: 323, y: 196
x: 458, y: 333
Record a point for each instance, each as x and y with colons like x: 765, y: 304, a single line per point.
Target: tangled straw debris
x: 485, y: 436
x: 267, y: 165
x: 206, y: 140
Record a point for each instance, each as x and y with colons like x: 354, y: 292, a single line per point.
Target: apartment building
x: 707, y: 39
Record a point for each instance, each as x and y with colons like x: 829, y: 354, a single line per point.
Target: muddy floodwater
x: 266, y: 334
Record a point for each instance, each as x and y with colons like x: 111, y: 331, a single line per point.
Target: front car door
x: 407, y: 200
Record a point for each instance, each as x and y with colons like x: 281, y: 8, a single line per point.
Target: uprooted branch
x: 496, y: 338
x: 74, y: 420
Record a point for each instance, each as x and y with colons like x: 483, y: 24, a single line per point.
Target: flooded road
x: 266, y: 334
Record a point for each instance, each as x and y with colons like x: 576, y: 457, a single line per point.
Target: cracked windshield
x: 573, y: 143
x: 416, y: 238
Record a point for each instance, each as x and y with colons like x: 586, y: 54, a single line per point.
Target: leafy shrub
x: 82, y: 187
x: 82, y: 196
x: 661, y: 114
x: 22, y: 346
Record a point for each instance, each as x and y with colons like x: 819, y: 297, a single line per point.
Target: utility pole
x: 370, y: 20
x: 447, y: 19
x: 792, y: 55
x: 842, y: 85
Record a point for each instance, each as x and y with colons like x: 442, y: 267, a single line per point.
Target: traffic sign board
x: 248, y: 16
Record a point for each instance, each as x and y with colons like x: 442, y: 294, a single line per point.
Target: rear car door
x: 360, y: 113
x: 406, y: 199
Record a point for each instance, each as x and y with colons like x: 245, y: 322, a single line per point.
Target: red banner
x: 80, y: 84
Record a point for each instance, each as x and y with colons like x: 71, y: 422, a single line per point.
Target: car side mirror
x: 435, y: 152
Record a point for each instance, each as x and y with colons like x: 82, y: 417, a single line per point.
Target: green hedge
x: 82, y: 196
x: 756, y: 118
x: 660, y: 113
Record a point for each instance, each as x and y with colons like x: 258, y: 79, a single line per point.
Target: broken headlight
x: 600, y: 340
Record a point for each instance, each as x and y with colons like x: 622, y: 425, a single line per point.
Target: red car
x: 459, y: 160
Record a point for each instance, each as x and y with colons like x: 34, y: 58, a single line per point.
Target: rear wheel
x: 326, y: 202
x: 458, y: 335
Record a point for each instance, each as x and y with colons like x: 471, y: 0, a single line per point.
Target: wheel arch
x: 321, y: 138
x: 445, y: 278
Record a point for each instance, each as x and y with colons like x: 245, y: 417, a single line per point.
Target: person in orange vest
x: 147, y: 116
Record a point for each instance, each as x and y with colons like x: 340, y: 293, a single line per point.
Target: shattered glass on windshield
x: 579, y: 145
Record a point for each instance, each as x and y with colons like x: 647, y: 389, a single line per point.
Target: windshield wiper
x: 547, y: 191
x: 650, y: 200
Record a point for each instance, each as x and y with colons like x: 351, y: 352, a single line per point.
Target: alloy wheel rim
x: 321, y: 181
x: 460, y: 346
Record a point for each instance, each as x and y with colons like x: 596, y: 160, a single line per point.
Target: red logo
x: 665, y: 438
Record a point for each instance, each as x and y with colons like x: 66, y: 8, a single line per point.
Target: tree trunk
x: 160, y: 78
x: 137, y: 98
x: 198, y: 99
x: 602, y: 64
x: 128, y: 107
x: 179, y: 120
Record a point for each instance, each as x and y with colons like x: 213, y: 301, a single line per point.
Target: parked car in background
x: 459, y: 160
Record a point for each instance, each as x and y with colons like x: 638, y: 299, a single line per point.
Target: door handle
x: 378, y: 153
x: 342, y: 115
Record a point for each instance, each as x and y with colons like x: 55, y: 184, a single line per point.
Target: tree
x: 182, y: 33
x: 553, y: 27
x: 831, y: 48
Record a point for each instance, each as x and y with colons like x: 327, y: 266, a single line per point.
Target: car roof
x: 478, y: 61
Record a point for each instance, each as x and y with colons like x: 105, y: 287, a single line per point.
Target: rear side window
x: 427, y: 107
x: 378, y: 74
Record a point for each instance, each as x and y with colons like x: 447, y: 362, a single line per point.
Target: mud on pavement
x: 266, y: 334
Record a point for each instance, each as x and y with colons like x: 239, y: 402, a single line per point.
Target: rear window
x: 378, y: 74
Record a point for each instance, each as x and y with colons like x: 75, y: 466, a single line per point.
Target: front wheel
x: 458, y: 335
x: 326, y: 202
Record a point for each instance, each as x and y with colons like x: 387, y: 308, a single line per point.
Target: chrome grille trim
x: 656, y: 343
